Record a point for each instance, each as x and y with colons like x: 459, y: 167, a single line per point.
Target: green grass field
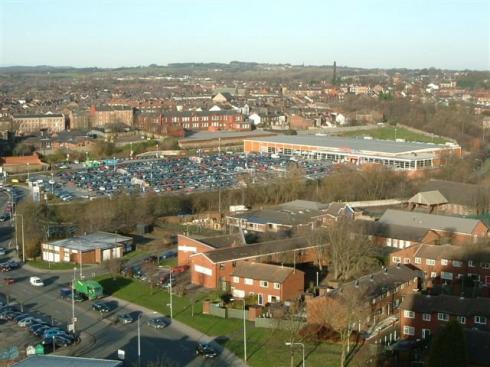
x: 265, y: 347
x: 388, y: 133
x: 40, y: 264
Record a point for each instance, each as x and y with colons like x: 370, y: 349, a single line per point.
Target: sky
x: 450, y: 34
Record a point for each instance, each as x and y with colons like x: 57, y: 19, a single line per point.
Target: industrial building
x: 399, y: 155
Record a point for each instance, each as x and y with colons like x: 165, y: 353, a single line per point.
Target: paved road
x: 174, y: 344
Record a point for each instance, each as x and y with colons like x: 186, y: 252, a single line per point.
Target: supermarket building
x: 398, y: 155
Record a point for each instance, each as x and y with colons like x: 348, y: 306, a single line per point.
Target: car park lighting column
x: 73, y: 320
x: 23, y: 242
x: 139, y: 339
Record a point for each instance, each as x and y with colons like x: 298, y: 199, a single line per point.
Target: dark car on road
x: 101, y: 307
x: 159, y: 322
x: 206, y: 350
x: 125, y: 318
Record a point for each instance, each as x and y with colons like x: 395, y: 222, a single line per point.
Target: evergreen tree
x: 448, y: 347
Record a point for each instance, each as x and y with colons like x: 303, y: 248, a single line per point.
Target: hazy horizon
x: 359, y: 34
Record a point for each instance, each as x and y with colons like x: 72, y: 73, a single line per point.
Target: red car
x: 180, y: 269
x: 9, y: 281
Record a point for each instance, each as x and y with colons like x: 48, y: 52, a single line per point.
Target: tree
x: 113, y: 266
x: 351, y: 252
x: 448, y: 347
x: 342, y: 313
x: 291, y: 323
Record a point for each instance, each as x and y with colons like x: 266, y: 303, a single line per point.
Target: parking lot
x: 206, y: 173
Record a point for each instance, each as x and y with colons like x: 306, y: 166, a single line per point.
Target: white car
x: 36, y: 282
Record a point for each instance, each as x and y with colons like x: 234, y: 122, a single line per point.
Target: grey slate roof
x: 363, y: 145
x: 64, y: 361
x: 452, y: 305
x: 396, y: 231
x: 259, y: 271
x: 376, y: 284
x: 450, y: 252
x: 459, y: 193
x: 223, y: 241
x: 89, y: 242
x: 258, y: 249
x: 428, y: 221
x: 428, y: 198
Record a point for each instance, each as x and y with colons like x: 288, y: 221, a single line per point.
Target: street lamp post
x: 244, y: 329
x: 170, y: 292
x: 23, y: 242
x: 139, y: 339
x: 302, y: 345
x: 73, y: 299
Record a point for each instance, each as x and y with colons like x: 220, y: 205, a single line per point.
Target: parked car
x: 206, y: 351
x: 41, y: 330
x: 28, y: 321
x: 180, y: 269
x: 158, y: 322
x: 168, y: 254
x: 58, y: 340
x: 3, y: 251
x: 9, y: 281
x: 101, y: 307
x: 36, y: 282
x: 125, y: 318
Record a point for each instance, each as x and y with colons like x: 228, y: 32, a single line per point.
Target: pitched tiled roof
x: 428, y: 198
x: 457, y: 192
x: 258, y: 271
x: 429, y: 221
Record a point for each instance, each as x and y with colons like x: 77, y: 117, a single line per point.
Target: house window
x: 406, y: 260
x: 482, y: 320
x: 273, y: 299
x: 433, y: 274
x: 447, y: 276
x: 471, y: 264
x: 409, y: 314
x: 277, y: 285
x: 418, y: 260
x: 430, y: 261
x: 264, y: 283
x: 457, y: 264
x: 425, y: 333
x: 442, y: 316
x: 443, y: 262
x: 397, y: 259
x: 461, y: 320
x: 236, y: 279
x: 485, y: 265
x: 249, y: 281
x: 426, y: 316
x: 408, y: 330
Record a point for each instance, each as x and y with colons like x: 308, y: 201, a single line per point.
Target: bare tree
x: 113, y: 266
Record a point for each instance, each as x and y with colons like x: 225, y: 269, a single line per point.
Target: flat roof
x: 89, y: 242
x: 351, y: 144
x: 64, y: 361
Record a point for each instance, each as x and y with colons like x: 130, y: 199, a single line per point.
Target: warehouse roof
x: 429, y: 221
x: 352, y: 144
x: 89, y: 242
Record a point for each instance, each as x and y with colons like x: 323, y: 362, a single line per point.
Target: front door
x: 425, y: 333
x: 260, y: 297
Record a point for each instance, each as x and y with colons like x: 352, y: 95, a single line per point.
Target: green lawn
x: 265, y: 347
x: 49, y: 265
x: 388, y: 133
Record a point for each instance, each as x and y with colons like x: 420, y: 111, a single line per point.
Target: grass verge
x: 265, y: 347
x: 388, y: 133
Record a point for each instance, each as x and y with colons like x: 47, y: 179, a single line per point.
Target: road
x: 174, y: 344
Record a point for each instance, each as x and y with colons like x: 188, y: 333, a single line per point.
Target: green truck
x: 89, y: 288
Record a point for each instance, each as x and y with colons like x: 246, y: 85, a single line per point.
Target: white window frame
x: 444, y: 261
x: 426, y: 316
x: 408, y: 314
x: 408, y: 330
x: 249, y: 281
x: 264, y: 284
x: 480, y: 320
x: 461, y: 320
x: 396, y: 259
x: 471, y: 264
x: 236, y: 279
x: 418, y: 260
x: 433, y: 274
x: 430, y: 262
x: 441, y: 316
x: 277, y: 285
x: 446, y: 275
x: 457, y: 263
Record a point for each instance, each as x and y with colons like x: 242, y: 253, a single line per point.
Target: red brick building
x: 270, y: 283
x: 422, y: 315
x: 105, y: 115
x: 447, y: 263
x: 382, y: 291
x: 187, y: 246
x: 160, y: 122
x: 214, y: 268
